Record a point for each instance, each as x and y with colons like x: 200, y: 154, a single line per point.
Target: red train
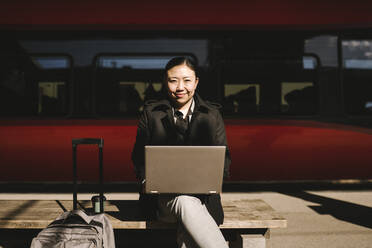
x: 294, y: 82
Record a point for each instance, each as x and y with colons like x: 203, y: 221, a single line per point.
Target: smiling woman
x: 159, y: 124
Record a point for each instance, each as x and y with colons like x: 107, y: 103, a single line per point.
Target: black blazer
x: 156, y: 127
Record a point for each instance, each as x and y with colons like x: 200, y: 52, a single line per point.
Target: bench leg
x: 251, y: 240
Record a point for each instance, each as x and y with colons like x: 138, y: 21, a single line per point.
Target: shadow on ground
x: 342, y: 210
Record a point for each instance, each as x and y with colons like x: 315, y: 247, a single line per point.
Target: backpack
x: 75, y: 229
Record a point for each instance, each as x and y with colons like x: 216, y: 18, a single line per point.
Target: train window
x: 298, y: 98
x: 357, y: 54
x: 270, y: 86
x: 325, y: 47
x: 53, y: 78
x: 309, y: 63
x: 132, y: 95
x: 34, y: 85
x: 133, y: 62
x: 241, y: 98
x: 51, y: 99
x: 52, y: 62
x: 357, y: 76
x: 124, y: 82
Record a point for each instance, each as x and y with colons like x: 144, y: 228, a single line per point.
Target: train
x: 293, y: 79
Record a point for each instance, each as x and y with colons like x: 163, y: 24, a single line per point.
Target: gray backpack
x: 75, y: 229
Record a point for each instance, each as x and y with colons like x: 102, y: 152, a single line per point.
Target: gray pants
x: 196, y: 226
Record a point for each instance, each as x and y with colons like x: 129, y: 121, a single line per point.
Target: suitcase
x: 88, y: 141
x: 75, y: 228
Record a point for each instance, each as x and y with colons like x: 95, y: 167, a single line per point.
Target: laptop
x: 184, y: 169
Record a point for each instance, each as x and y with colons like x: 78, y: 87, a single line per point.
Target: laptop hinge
x: 154, y: 192
x: 212, y: 192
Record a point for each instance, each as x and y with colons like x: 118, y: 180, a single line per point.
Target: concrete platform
x: 326, y: 218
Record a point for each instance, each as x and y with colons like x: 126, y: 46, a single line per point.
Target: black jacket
x: 156, y: 127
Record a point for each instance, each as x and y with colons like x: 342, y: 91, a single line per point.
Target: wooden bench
x: 249, y: 221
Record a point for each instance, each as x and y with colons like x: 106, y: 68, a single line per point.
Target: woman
x: 183, y: 118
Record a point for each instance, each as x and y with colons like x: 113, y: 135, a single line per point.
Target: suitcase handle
x: 87, y: 141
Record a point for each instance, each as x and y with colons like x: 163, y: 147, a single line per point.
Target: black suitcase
x: 88, y: 141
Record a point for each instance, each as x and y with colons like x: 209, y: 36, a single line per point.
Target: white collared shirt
x: 185, y: 113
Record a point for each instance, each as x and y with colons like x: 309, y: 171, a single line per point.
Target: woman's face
x: 181, y: 84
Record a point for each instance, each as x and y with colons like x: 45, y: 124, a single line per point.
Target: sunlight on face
x: 181, y: 84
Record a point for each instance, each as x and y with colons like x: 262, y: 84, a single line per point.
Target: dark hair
x: 190, y: 62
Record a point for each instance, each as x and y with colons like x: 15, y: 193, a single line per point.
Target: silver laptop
x: 184, y: 169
